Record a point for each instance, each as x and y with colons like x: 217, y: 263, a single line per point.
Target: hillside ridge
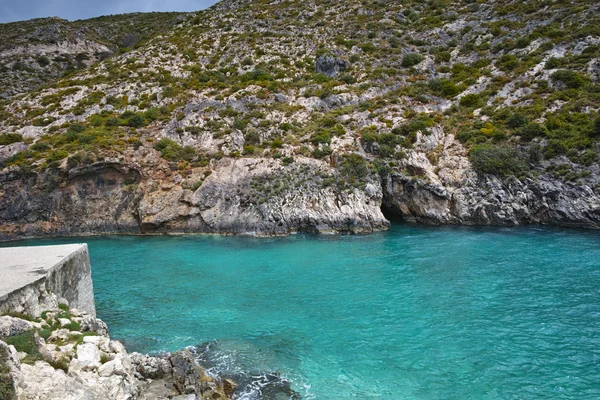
x: 40, y: 51
x: 262, y: 117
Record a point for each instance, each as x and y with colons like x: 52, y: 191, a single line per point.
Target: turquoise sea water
x: 413, y: 313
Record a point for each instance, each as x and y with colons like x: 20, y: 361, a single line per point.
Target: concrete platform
x: 21, y: 266
x: 62, y: 271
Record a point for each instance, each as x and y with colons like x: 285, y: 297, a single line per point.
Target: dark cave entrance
x: 391, y: 213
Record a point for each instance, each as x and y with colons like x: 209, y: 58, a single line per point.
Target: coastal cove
x: 412, y: 313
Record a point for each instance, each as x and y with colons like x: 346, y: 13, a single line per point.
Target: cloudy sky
x: 17, y: 10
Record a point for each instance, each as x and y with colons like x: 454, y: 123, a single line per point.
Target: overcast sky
x: 18, y: 10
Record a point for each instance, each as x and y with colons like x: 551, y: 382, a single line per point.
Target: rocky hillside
x: 40, y: 51
x: 264, y: 118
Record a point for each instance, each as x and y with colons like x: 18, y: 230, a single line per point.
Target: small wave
x: 229, y: 362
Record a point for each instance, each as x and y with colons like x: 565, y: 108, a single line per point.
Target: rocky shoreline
x: 68, y: 354
x: 52, y: 346
x: 270, y: 197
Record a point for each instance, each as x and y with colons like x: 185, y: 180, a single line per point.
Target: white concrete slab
x: 21, y: 266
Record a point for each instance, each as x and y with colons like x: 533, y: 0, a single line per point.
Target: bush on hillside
x: 411, y: 59
x: 172, y: 151
x: 533, y: 130
x: 9, y: 138
x: 568, y: 78
x: 470, y: 100
x: 497, y: 160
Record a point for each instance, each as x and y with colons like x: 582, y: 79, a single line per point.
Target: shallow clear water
x: 413, y: 313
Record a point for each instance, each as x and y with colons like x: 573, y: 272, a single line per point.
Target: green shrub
x: 554, y: 148
x: 348, y: 79
x: 43, y: 61
x: 568, y: 78
x: 256, y: 75
x: 116, y: 102
x: 443, y: 56
x: 320, y: 136
x: 112, y: 121
x: 136, y: 121
x: 516, y: 120
x: 277, y: 143
x: 369, y: 135
x: 444, y: 87
x: 285, y: 126
x: 535, y: 153
x: 172, y: 151
x: 154, y: 113
x: 589, y: 157
x: 553, y: 63
x: 252, y: 137
x: 497, y: 160
x: 368, y: 47
x: 45, y: 333
x: 470, y: 100
x: 353, y: 167
x: 77, y: 128
x: 522, y: 42
x: 321, y: 153
x: 533, y: 130
x: 57, y: 155
x: 73, y: 326
x: 412, y: 126
x: 508, y: 62
x: 9, y: 138
x: 25, y: 342
x: 73, y: 161
x: 240, y: 124
x: 170, y: 91
x: 411, y: 59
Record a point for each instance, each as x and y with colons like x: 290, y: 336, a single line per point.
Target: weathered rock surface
x: 330, y: 65
x: 452, y: 193
x: 240, y: 196
x: 93, y: 367
x: 42, y: 50
x: 433, y: 184
x: 11, y: 376
x: 10, y: 326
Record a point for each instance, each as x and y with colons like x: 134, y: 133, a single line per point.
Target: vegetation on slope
x: 40, y: 51
x: 516, y: 81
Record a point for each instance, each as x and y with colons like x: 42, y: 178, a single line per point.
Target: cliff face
x: 264, y: 197
x: 240, y: 196
x: 450, y: 192
x: 40, y: 51
x: 267, y: 119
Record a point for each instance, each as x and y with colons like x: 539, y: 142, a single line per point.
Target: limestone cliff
x: 269, y: 119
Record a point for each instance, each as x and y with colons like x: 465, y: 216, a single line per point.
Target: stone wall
x: 34, y: 279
